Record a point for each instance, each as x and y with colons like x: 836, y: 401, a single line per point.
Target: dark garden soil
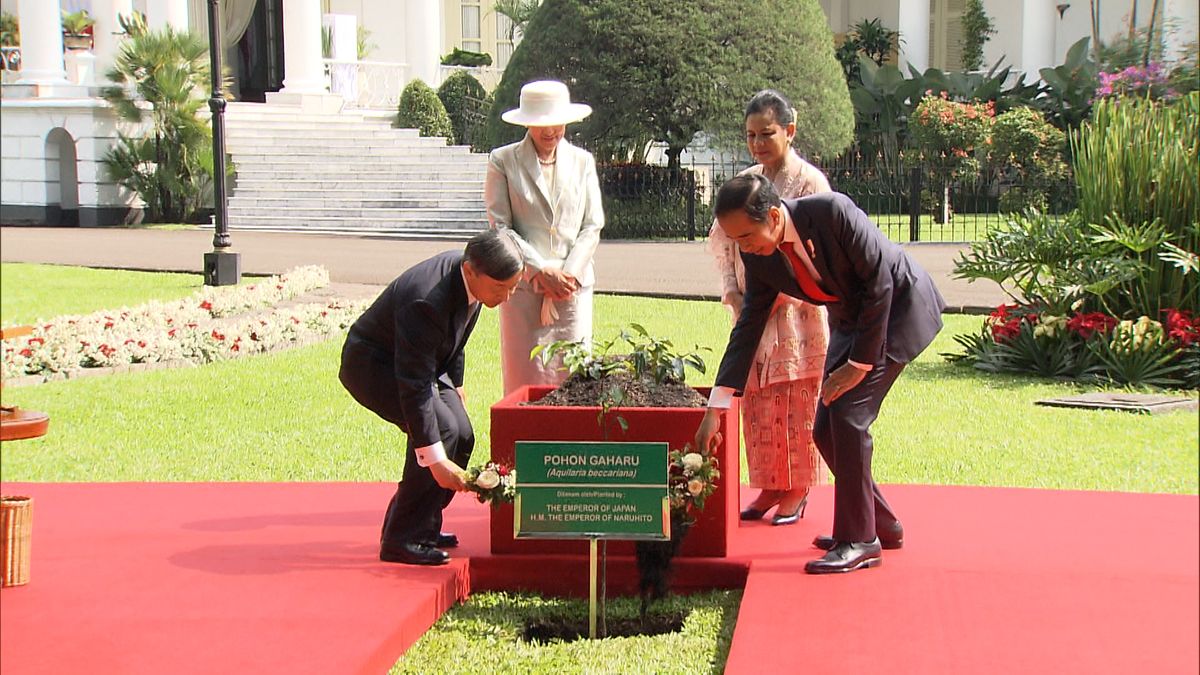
x: 570, y: 629
x: 641, y: 393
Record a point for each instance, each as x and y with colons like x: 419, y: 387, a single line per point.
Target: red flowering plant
x: 1088, y: 346
x: 949, y: 137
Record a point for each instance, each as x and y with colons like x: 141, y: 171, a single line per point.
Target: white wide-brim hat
x: 546, y: 103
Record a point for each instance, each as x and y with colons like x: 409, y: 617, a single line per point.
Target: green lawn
x: 36, y: 293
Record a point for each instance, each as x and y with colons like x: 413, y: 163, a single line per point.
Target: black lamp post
x: 222, y: 267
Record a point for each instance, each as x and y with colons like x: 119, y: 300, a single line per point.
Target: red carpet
x: 236, y: 577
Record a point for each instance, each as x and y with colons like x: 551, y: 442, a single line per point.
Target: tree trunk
x: 673, y: 154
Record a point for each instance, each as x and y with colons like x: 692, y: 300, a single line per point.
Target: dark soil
x: 640, y: 393
x: 569, y: 629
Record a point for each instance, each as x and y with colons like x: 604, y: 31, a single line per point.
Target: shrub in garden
x: 453, y: 93
x: 1151, y: 80
x: 1031, y: 149
x: 949, y: 137
x: 1135, y: 172
x: 420, y: 108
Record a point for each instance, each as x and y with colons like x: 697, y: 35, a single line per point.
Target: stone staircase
x: 349, y: 172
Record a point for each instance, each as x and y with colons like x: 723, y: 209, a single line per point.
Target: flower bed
x: 214, y: 324
x: 1088, y: 346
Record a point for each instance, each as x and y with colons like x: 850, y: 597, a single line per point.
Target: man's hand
x: 462, y: 393
x: 558, y: 284
x: 448, y: 475
x: 840, y: 381
x: 733, y: 300
x: 707, y: 438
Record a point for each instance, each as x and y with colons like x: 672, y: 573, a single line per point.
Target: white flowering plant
x: 492, y: 483
x: 692, y: 478
x: 211, y: 325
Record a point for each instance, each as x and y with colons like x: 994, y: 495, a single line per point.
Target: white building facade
x: 307, y: 54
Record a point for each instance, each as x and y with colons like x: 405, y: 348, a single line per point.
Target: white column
x: 913, y: 24
x: 423, y: 40
x: 303, y: 71
x: 1184, y: 15
x: 40, y: 22
x: 163, y: 13
x: 108, y: 34
x: 1039, y: 24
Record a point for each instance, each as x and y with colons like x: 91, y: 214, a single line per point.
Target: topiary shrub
x: 420, y: 108
x: 462, y: 57
x: 1031, y: 150
x: 453, y: 93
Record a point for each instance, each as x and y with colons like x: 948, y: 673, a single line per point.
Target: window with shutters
x: 946, y: 33
x: 471, y: 33
x: 504, y: 44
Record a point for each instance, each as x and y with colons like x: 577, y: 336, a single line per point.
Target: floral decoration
x: 214, y: 324
x: 692, y: 478
x: 1151, y: 80
x: 492, y: 483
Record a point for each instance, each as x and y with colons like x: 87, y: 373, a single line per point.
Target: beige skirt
x: 521, y: 330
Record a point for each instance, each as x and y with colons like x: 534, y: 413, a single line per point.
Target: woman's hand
x: 733, y: 300
x: 558, y: 284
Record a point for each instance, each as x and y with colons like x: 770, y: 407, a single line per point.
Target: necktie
x: 806, y: 274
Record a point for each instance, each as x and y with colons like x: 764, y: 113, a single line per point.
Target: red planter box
x: 512, y: 422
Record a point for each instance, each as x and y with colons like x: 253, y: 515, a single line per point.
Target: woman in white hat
x: 546, y: 192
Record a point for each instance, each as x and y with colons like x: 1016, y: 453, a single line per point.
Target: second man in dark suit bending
x: 403, y: 360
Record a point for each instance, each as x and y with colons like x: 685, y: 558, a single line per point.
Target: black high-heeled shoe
x: 781, y: 519
x: 752, y: 513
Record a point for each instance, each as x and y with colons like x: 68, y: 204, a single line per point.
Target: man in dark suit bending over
x: 403, y: 359
x: 883, y: 311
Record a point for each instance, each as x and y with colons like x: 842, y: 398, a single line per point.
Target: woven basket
x: 16, y: 517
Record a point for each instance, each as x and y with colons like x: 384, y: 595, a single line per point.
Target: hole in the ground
x: 569, y: 629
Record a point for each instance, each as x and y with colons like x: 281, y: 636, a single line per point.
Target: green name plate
x: 591, y: 490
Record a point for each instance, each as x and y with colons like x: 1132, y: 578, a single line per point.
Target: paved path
x: 665, y: 269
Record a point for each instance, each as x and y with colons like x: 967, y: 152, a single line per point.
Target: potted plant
x: 638, y: 396
x: 77, y: 29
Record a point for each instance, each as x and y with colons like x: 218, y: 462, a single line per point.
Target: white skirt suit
x: 557, y: 224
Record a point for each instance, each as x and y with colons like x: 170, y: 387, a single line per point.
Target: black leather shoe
x: 891, y: 537
x: 442, y: 540
x: 827, y: 543
x: 412, y: 553
x: 847, y: 557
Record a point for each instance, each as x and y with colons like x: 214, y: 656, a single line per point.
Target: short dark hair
x: 496, y: 254
x: 749, y: 192
x: 777, y: 103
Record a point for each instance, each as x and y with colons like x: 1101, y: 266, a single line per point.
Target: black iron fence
x: 648, y: 201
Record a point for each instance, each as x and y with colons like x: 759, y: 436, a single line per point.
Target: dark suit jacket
x: 418, y: 326
x: 887, y: 303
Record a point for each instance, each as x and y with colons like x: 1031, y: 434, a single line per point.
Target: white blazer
x: 559, y: 230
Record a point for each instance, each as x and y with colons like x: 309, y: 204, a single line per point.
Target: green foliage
x: 10, y: 30
x: 519, y: 12
x: 1138, y: 354
x: 420, y: 108
x: 498, y: 620
x: 868, y: 38
x: 364, y: 46
x: 1038, y: 260
x: 171, y: 166
x: 648, y: 356
x: 1069, y: 88
x: 462, y: 57
x: 76, y: 23
x: 1030, y: 150
x: 37, y: 293
x: 1139, y: 191
x: 977, y: 29
x: 453, y: 93
x: 663, y: 71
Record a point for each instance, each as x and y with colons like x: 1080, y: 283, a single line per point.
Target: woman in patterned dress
x: 780, y: 399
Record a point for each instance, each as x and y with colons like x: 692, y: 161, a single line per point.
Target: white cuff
x: 865, y: 367
x: 431, y: 454
x: 720, y: 397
